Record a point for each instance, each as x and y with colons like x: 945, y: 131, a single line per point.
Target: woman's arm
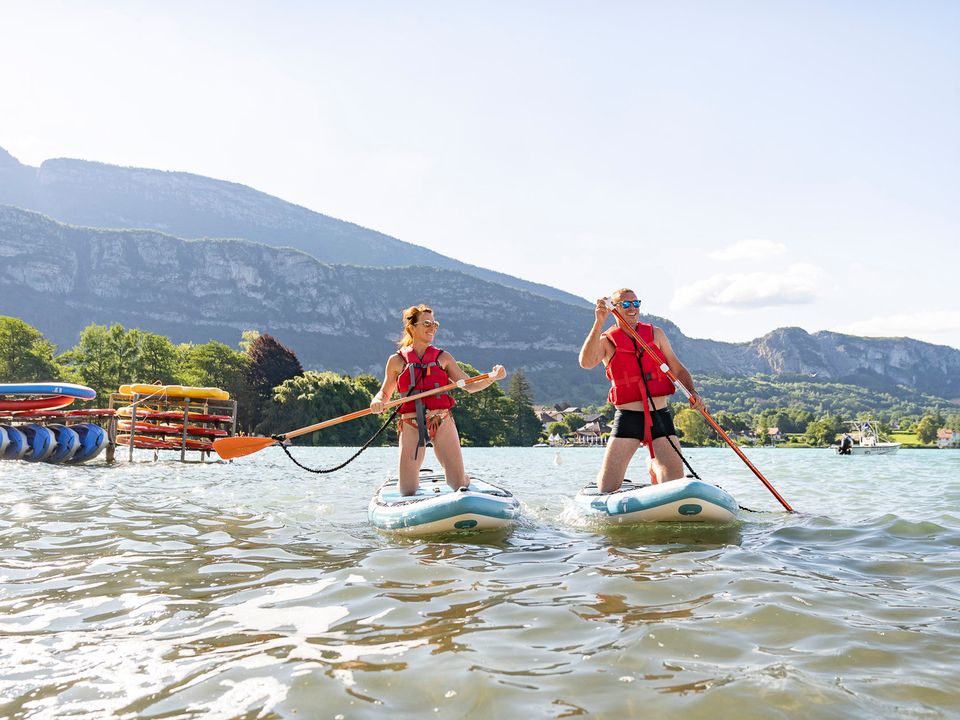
x: 389, y: 384
x: 455, y: 373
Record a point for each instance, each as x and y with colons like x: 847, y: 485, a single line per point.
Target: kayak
x: 80, y: 392
x: 177, y: 391
x: 674, y: 501
x: 17, y: 445
x: 147, y: 442
x: 4, y: 441
x: 437, y: 508
x: 50, y: 402
x: 41, y: 442
x: 157, y: 429
x: 92, y: 439
x: 148, y: 414
x: 68, y: 442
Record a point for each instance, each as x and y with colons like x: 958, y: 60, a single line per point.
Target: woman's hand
x: 376, y: 404
x: 498, y: 373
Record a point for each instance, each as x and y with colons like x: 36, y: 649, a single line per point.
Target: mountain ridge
x: 191, y: 206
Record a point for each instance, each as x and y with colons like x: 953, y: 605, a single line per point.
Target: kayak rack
x: 158, y: 422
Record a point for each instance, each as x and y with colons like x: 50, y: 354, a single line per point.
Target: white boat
x: 676, y: 501
x: 866, y: 442
x: 437, y: 508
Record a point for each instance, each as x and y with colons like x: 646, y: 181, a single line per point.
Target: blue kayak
x: 68, y: 442
x: 4, y: 441
x: 41, y: 441
x: 92, y: 439
x: 674, y: 501
x: 437, y: 508
x: 16, y: 443
x: 81, y: 392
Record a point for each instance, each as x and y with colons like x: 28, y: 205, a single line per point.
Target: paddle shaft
x: 664, y: 368
x: 386, y: 406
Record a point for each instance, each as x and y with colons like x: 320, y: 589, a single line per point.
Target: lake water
x: 257, y: 590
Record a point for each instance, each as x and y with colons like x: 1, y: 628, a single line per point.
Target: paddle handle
x: 665, y: 369
x: 386, y: 406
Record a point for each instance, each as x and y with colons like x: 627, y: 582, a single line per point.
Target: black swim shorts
x: 629, y: 424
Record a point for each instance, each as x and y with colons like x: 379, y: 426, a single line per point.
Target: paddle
x: 233, y: 447
x: 664, y: 368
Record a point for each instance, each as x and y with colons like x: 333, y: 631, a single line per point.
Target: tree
x: 157, y: 359
x: 93, y: 359
x: 482, y: 417
x: 25, y: 355
x: 525, y: 427
x: 692, y: 428
x: 271, y: 364
x: 823, y: 432
x: 214, y: 364
x: 313, y: 397
x: 927, y: 429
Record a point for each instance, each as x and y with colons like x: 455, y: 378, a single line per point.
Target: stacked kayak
x: 675, y: 501
x: 171, y: 417
x: 437, y: 508
x: 56, y: 442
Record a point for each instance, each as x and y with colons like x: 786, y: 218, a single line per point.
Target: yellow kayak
x: 177, y: 391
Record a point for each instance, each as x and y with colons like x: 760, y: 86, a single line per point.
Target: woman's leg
x: 446, y: 446
x: 409, y: 468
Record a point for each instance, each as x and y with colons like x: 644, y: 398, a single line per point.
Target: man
x: 640, y: 391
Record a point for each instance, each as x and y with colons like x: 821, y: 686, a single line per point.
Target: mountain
x: 191, y: 206
x: 346, y: 318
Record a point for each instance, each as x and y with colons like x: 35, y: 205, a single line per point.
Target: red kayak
x: 52, y: 402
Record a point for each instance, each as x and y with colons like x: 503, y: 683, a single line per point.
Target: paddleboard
x: 437, y: 508
x: 674, y: 501
x: 68, y: 442
x: 80, y: 392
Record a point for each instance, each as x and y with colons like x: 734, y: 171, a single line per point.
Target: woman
x: 418, y: 366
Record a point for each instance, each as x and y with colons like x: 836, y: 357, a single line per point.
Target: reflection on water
x: 249, y: 590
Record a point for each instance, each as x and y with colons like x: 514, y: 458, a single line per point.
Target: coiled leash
x: 368, y: 443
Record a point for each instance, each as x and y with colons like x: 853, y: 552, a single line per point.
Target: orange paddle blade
x: 234, y: 447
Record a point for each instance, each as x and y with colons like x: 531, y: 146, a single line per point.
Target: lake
x: 257, y: 590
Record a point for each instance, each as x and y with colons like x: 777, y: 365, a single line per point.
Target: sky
x: 742, y: 165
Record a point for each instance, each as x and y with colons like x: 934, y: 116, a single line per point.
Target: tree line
x: 274, y: 394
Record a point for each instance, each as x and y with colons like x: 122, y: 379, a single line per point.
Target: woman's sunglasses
x: 628, y: 303
x: 429, y: 324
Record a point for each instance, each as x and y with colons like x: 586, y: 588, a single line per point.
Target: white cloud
x: 750, y: 250
x: 798, y: 284
x: 936, y: 326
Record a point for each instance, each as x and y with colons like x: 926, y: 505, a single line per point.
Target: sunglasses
x: 429, y: 324
x: 628, y: 303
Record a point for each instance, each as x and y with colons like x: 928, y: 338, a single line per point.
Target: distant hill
x: 192, y: 206
x: 61, y: 278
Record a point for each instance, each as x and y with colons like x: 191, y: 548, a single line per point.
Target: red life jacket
x: 629, y: 361
x: 423, y: 373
